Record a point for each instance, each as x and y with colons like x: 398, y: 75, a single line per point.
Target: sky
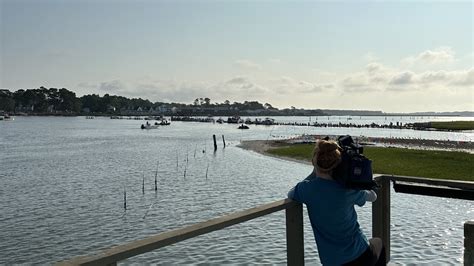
x: 391, y: 56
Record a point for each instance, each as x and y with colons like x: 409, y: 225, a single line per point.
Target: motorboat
x: 233, y: 120
x: 242, y: 126
x: 148, y: 126
x: 6, y: 117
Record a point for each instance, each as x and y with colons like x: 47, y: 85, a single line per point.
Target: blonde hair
x: 326, y: 155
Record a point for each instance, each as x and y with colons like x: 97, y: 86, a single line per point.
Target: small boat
x: 163, y: 122
x: 148, y: 126
x: 6, y: 117
x: 233, y: 120
x: 243, y: 127
x: 268, y: 121
x: 220, y: 120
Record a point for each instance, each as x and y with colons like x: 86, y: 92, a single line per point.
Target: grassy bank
x: 400, y: 161
x: 453, y: 125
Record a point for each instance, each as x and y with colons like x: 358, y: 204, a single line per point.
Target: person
x: 339, y: 239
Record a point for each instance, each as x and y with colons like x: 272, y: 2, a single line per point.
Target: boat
x: 243, y: 127
x: 220, y: 120
x: 268, y: 121
x: 233, y: 120
x: 148, y: 126
x: 163, y: 122
x: 6, y: 117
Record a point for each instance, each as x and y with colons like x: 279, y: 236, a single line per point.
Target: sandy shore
x: 263, y: 146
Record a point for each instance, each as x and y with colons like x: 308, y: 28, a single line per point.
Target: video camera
x: 355, y: 170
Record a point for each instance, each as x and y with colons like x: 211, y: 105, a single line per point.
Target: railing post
x: 381, y: 214
x: 469, y: 243
x: 294, y: 235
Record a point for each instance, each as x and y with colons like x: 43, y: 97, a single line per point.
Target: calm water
x: 62, y: 183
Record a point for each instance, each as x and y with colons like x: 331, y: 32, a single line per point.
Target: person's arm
x: 365, y: 195
x: 291, y: 193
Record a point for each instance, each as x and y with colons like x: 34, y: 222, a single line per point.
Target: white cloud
x: 247, y: 64
x: 382, y: 81
x: 374, y: 68
x: 430, y: 57
x: 403, y: 78
x: 239, y: 86
x: 289, y: 85
x: 378, y: 77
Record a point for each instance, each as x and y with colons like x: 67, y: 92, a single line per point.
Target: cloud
x: 430, y: 57
x: 374, y: 68
x: 464, y: 78
x: 404, y: 78
x: 239, y: 86
x: 247, y: 64
x: 378, y: 77
x: 289, y: 85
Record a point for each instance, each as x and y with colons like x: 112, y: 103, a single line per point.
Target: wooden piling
x: 156, y: 175
x: 469, y: 243
x: 223, y: 140
x: 294, y: 235
x: 124, y: 199
x: 215, y: 142
x: 381, y: 214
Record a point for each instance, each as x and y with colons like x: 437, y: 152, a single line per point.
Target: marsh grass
x: 402, y: 161
x: 453, y: 125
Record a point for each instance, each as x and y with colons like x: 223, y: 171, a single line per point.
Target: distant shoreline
x: 245, y: 115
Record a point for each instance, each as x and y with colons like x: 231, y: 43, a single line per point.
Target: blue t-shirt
x: 333, y: 218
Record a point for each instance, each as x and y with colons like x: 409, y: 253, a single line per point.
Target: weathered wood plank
x: 137, y: 247
x: 435, y: 182
x: 381, y: 214
x: 469, y: 243
x: 434, y: 191
x: 294, y: 235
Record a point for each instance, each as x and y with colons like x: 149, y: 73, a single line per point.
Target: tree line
x: 65, y: 102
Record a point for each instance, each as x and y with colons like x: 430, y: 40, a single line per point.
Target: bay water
x: 62, y: 183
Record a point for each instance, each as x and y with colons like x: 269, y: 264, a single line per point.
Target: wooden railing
x: 294, y: 235
x: 294, y: 222
x: 419, y: 186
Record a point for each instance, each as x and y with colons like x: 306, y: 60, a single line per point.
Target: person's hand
x: 370, y: 195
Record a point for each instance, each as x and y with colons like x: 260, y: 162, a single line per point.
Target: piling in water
x: 124, y: 199
x: 215, y: 142
x: 156, y: 175
x: 143, y: 183
x: 223, y: 140
x: 207, y: 169
x: 177, y: 165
